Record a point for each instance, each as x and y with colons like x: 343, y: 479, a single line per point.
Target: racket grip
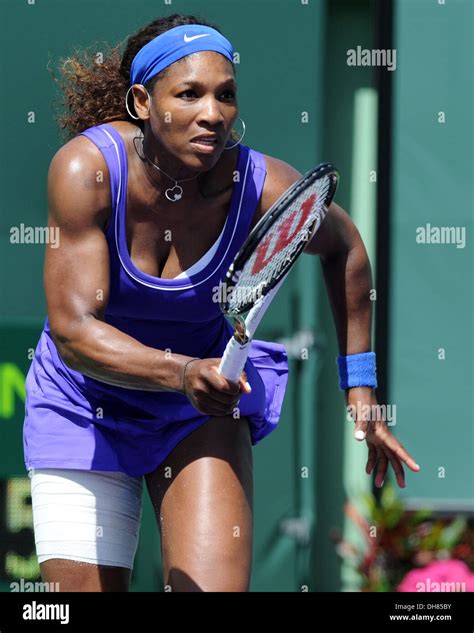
x: 234, y: 359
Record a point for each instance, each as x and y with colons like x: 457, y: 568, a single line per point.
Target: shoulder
x: 78, y: 157
x: 81, y: 154
x: 78, y: 177
x: 280, y: 176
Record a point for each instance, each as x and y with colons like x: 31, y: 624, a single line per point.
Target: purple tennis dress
x: 73, y: 421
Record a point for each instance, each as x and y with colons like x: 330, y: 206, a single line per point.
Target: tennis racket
x: 262, y: 264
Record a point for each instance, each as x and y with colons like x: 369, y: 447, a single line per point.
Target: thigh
x: 86, y: 526
x: 203, y: 497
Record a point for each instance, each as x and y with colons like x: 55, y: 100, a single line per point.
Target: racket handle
x: 234, y: 359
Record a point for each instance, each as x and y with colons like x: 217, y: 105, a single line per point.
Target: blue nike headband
x: 167, y: 48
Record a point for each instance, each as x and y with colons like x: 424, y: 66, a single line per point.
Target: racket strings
x: 281, y: 244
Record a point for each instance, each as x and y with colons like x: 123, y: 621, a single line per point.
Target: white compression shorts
x: 86, y: 515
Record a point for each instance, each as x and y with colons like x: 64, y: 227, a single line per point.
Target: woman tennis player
x: 153, y: 196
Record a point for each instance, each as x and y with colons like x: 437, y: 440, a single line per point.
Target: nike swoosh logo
x: 194, y: 37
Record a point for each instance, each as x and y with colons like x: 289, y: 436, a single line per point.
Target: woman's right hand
x: 209, y: 392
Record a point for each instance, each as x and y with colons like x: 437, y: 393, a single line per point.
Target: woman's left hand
x: 384, y: 448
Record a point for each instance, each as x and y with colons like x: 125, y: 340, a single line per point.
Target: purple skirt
x: 76, y: 422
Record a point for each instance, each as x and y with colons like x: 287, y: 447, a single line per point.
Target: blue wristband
x: 357, y: 370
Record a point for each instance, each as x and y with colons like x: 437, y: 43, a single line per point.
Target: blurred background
x: 383, y: 90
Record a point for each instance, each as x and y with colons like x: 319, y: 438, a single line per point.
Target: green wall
x: 431, y: 341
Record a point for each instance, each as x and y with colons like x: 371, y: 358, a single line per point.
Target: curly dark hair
x: 94, y: 92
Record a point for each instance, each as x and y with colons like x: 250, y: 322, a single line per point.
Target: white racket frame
x: 236, y: 353
x: 237, y: 350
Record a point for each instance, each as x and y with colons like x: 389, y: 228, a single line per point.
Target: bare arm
x: 348, y: 279
x: 76, y: 278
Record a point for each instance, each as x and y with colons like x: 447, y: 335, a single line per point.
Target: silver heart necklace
x: 175, y: 193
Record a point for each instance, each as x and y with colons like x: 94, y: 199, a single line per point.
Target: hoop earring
x: 240, y: 139
x: 137, y: 118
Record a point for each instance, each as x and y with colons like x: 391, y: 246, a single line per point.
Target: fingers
x: 232, y: 397
x: 243, y: 383
x: 221, y: 384
x: 383, y: 456
x: 225, y: 388
x: 210, y: 392
x: 205, y: 403
x: 371, y: 459
x: 394, y: 445
x: 397, y: 467
x: 382, y: 465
